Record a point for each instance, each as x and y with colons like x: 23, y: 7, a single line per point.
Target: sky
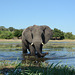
x: 20, y: 14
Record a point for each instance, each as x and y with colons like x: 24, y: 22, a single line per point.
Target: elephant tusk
x: 42, y: 43
x: 31, y: 43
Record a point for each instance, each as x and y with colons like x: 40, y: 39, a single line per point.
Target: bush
x: 6, y: 35
x: 11, y: 29
x: 18, y: 33
x: 69, y: 35
x: 58, y: 34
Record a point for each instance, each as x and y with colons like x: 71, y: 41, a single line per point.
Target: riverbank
x: 10, y: 40
x: 65, y: 40
x: 19, y: 40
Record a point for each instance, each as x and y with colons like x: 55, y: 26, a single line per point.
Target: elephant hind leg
x: 24, y: 48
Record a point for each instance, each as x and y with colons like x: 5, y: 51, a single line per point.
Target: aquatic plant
x: 44, y: 69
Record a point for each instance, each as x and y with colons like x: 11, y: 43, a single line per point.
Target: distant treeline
x: 12, y: 33
x: 59, y: 35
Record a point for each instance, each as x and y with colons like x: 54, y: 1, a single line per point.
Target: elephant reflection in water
x: 33, y: 60
x: 33, y: 39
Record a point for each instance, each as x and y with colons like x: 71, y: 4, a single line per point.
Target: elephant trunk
x: 38, y: 48
x: 38, y: 44
x: 39, y: 54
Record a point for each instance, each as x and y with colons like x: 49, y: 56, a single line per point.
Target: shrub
x: 69, y: 35
x: 6, y: 35
x: 18, y: 33
x: 58, y: 34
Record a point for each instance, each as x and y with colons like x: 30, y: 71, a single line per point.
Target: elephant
x: 33, y: 39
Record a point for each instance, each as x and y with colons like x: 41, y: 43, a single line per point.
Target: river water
x: 63, y: 54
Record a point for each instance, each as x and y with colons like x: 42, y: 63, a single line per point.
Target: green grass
x: 42, y: 69
x: 10, y: 46
x: 59, y: 45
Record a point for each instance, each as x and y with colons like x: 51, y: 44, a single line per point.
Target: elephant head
x: 36, y: 36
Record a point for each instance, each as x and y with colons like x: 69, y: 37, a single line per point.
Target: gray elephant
x: 33, y: 39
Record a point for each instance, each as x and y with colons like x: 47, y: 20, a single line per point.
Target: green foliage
x: 42, y: 70
x: 11, y: 29
x: 9, y: 33
x: 6, y: 35
x: 14, y: 68
x: 18, y: 33
x: 69, y: 35
x: 58, y: 33
x: 2, y: 28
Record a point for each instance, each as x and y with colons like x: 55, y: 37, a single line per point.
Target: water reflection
x: 28, y: 59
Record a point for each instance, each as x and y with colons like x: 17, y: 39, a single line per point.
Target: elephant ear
x: 27, y: 34
x: 47, y: 33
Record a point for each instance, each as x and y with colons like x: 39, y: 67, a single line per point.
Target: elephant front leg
x: 32, y: 50
x: 24, y: 48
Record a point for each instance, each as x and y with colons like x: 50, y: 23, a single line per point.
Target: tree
x: 18, y: 33
x: 69, y: 35
x: 6, y: 35
x: 11, y: 29
x: 2, y: 28
x: 58, y: 34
